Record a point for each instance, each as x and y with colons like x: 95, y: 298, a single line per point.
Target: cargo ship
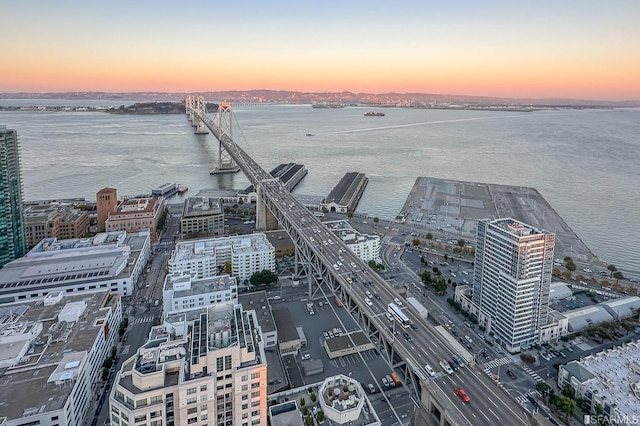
x: 373, y: 114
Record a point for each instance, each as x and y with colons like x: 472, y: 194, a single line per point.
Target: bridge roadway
x: 489, y: 404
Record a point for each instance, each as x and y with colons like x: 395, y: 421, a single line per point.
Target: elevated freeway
x: 407, y: 349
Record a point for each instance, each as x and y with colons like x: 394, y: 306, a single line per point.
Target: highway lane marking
x: 485, y: 416
x: 489, y: 388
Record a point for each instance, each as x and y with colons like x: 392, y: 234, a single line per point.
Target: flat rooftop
x: 37, y: 383
x: 288, y: 173
x: 186, y: 250
x: 348, y: 234
x: 616, y: 372
x: 185, y: 286
x: 201, y: 206
x: 258, y: 302
x: 347, y: 188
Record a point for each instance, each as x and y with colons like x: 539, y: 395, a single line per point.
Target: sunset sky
x: 584, y: 49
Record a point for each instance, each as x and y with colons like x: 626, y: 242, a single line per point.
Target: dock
x: 454, y: 207
x: 290, y: 174
x: 345, y: 196
x: 165, y: 190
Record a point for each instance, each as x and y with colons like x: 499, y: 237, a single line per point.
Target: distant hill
x: 343, y: 98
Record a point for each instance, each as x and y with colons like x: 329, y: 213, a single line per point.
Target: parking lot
x: 368, y: 367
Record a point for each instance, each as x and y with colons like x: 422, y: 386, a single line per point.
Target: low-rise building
x: 365, y: 246
x: 113, y: 261
x: 558, y: 290
x: 54, y: 220
x: 204, y: 366
x: 258, y: 301
x: 586, y: 317
x: 622, y: 308
x: 557, y: 326
x: 610, y: 379
x: 244, y: 254
x: 136, y: 215
x: 51, y: 354
x: 288, y: 337
x: 347, y: 344
x: 183, y: 293
x: 202, y: 217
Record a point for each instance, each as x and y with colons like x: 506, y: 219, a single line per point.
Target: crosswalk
x: 525, y: 396
x: 143, y: 319
x: 497, y: 362
x: 533, y: 374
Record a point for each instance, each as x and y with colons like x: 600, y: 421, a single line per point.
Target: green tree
x: 568, y: 407
x: 349, y: 215
x: 302, y: 401
x: 376, y: 220
x: 446, y: 256
x: 613, y: 269
x: 583, y: 404
x: 567, y: 258
x: 263, y: 277
x: 425, y: 276
x: 570, y: 265
x: 429, y: 236
x: 416, y: 242
x: 440, y: 286
x: 618, y: 276
x: 461, y: 242
x: 108, y: 363
x: 320, y: 416
x: 569, y: 391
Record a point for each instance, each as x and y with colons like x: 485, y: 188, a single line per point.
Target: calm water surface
x: 584, y: 162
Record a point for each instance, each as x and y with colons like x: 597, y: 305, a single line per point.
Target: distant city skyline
x: 571, y: 49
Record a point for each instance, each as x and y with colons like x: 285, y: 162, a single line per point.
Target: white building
x: 201, y: 367
x: 610, y: 379
x: 113, y: 261
x: 207, y: 257
x: 365, y: 246
x: 51, y: 354
x: 512, y: 275
x: 182, y: 292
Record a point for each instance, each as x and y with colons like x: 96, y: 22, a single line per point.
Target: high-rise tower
x: 12, y: 240
x: 512, y: 274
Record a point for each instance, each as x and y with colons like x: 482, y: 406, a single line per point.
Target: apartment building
x: 200, y: 367
x: 182, y: 292
x: 512, y: 275
x: 244, y: 255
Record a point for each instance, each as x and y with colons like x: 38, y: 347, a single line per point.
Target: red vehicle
x: 462, y: 394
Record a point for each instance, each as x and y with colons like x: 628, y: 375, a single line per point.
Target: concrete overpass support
x: 265, y: 220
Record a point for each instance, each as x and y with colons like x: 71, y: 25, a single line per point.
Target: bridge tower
x: 189, y: 106
x: 222, y: 121
x: 201, y: 111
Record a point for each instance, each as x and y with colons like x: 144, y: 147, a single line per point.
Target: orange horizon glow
x: 552, y: 51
